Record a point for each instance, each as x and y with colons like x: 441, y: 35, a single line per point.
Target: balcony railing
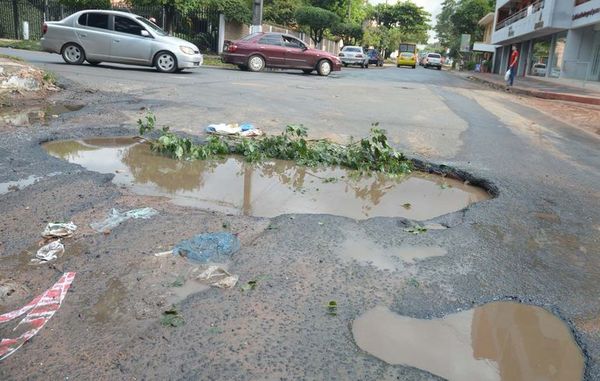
x: 535, y: 7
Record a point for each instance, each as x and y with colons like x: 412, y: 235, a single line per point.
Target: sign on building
x: 465, y: 43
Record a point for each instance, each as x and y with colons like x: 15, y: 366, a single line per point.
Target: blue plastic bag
x: 208, y: 247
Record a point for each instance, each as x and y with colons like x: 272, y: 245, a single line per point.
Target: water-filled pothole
x: 268, y: 189
x: 497, y: 341
x: 32, y: 115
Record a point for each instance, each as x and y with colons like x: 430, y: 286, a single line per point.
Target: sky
x: 432, y: 6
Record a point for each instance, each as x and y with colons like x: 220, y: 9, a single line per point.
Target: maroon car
x: 259, y: 50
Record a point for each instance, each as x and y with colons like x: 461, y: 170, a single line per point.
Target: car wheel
x: 398, y: 66
x: 73, y: 54
x: 93, y: 63
x: 414, y: 66
x: 256, y: 63
x: 165, y: 62
x: 345, y: 65
x: 324, y: 68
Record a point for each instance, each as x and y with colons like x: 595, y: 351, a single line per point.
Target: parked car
x: 433, y: 60
x: 354, y: 55
x: 111, y: 36
x: 374, y: 57
x: 407, y: 59
x: 256, y: 51
x: 539, y: 69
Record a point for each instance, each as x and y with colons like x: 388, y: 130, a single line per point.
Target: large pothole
x: 268, y: 189
x: 497, y: 341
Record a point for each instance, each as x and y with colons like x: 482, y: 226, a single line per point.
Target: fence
x: 201, y: 26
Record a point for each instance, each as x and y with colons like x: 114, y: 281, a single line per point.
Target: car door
x: 296, y: 54
x: 271, y: 47
x: 93, y: 35
x: 127, y: 43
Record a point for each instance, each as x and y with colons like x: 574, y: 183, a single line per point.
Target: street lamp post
x: 257, y: 13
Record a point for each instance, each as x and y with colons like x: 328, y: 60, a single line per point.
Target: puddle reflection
x: 268, y: 189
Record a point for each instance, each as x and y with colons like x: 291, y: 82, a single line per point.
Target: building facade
x: 555, y: 38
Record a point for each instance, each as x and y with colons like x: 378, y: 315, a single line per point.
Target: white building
x: 555, y: 38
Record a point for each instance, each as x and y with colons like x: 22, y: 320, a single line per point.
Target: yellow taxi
x: 407, y: 59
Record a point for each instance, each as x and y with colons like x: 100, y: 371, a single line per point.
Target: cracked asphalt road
x: 537, y: 241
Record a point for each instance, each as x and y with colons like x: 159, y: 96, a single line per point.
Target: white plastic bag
x: 507, y: 75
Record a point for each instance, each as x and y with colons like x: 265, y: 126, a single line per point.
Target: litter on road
x: 49, y: 252
x: 39, y: 311
x: 59, y: 230
x: 245, y: 129
x: 116, y: 218
x: 208, y: 247
x: 217, y: 276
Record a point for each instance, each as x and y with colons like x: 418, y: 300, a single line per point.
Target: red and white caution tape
x: 40, y: 309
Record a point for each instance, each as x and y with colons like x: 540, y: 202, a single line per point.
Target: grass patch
x: 12, y: 57
x: 49, y: 77
x: 21, y: 44
x: 371, y: 154
x: 215, y: 61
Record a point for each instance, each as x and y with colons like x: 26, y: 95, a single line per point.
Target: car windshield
x: 350, y: 49
x: 150, y: 25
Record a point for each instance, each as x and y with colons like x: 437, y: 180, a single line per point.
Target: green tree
x: 467, y: 15
x: 349, y: 32
x: 86, y: 4
x: 444, y: 27
x: 316, y: 20
x: 282, y: 12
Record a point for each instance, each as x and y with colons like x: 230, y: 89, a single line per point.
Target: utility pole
x: 257, y: 13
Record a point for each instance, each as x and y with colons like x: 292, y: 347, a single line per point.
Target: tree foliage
x: 316, y: 20
x: 461, y: 17
x: 86, y: 4
x: 349, y: 32
x: 282, y: 12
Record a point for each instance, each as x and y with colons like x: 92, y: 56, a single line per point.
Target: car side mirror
x: 304, y: 47
x: 145, y: 33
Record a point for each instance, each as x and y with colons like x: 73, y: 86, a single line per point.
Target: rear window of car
x: 95, y: 20
x: 270, y: 40
x: 409, y: 55
x: 350, y: 49
x: 432, y: 55
x: 127, y: 25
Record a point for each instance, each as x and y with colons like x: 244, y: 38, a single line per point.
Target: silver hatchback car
x: 111, y: 36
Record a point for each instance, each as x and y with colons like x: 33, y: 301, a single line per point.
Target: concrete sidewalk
x: 559, y: 89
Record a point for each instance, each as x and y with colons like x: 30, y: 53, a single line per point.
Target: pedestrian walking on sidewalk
x: 512, y: 67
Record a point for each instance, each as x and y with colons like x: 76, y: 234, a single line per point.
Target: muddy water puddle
x: 385, y: 258
x: 268, y: 189
x: 28, y: 116
x: 497, y: 341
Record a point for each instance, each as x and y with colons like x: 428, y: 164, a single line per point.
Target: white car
x: 111, y: 36
x: 433, y: 60
x: 539, y: 69
x: 354, y: 55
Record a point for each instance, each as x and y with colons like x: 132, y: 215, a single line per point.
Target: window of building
x: 559, y: 54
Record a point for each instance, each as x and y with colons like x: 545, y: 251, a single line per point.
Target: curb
x: 540, y: 94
